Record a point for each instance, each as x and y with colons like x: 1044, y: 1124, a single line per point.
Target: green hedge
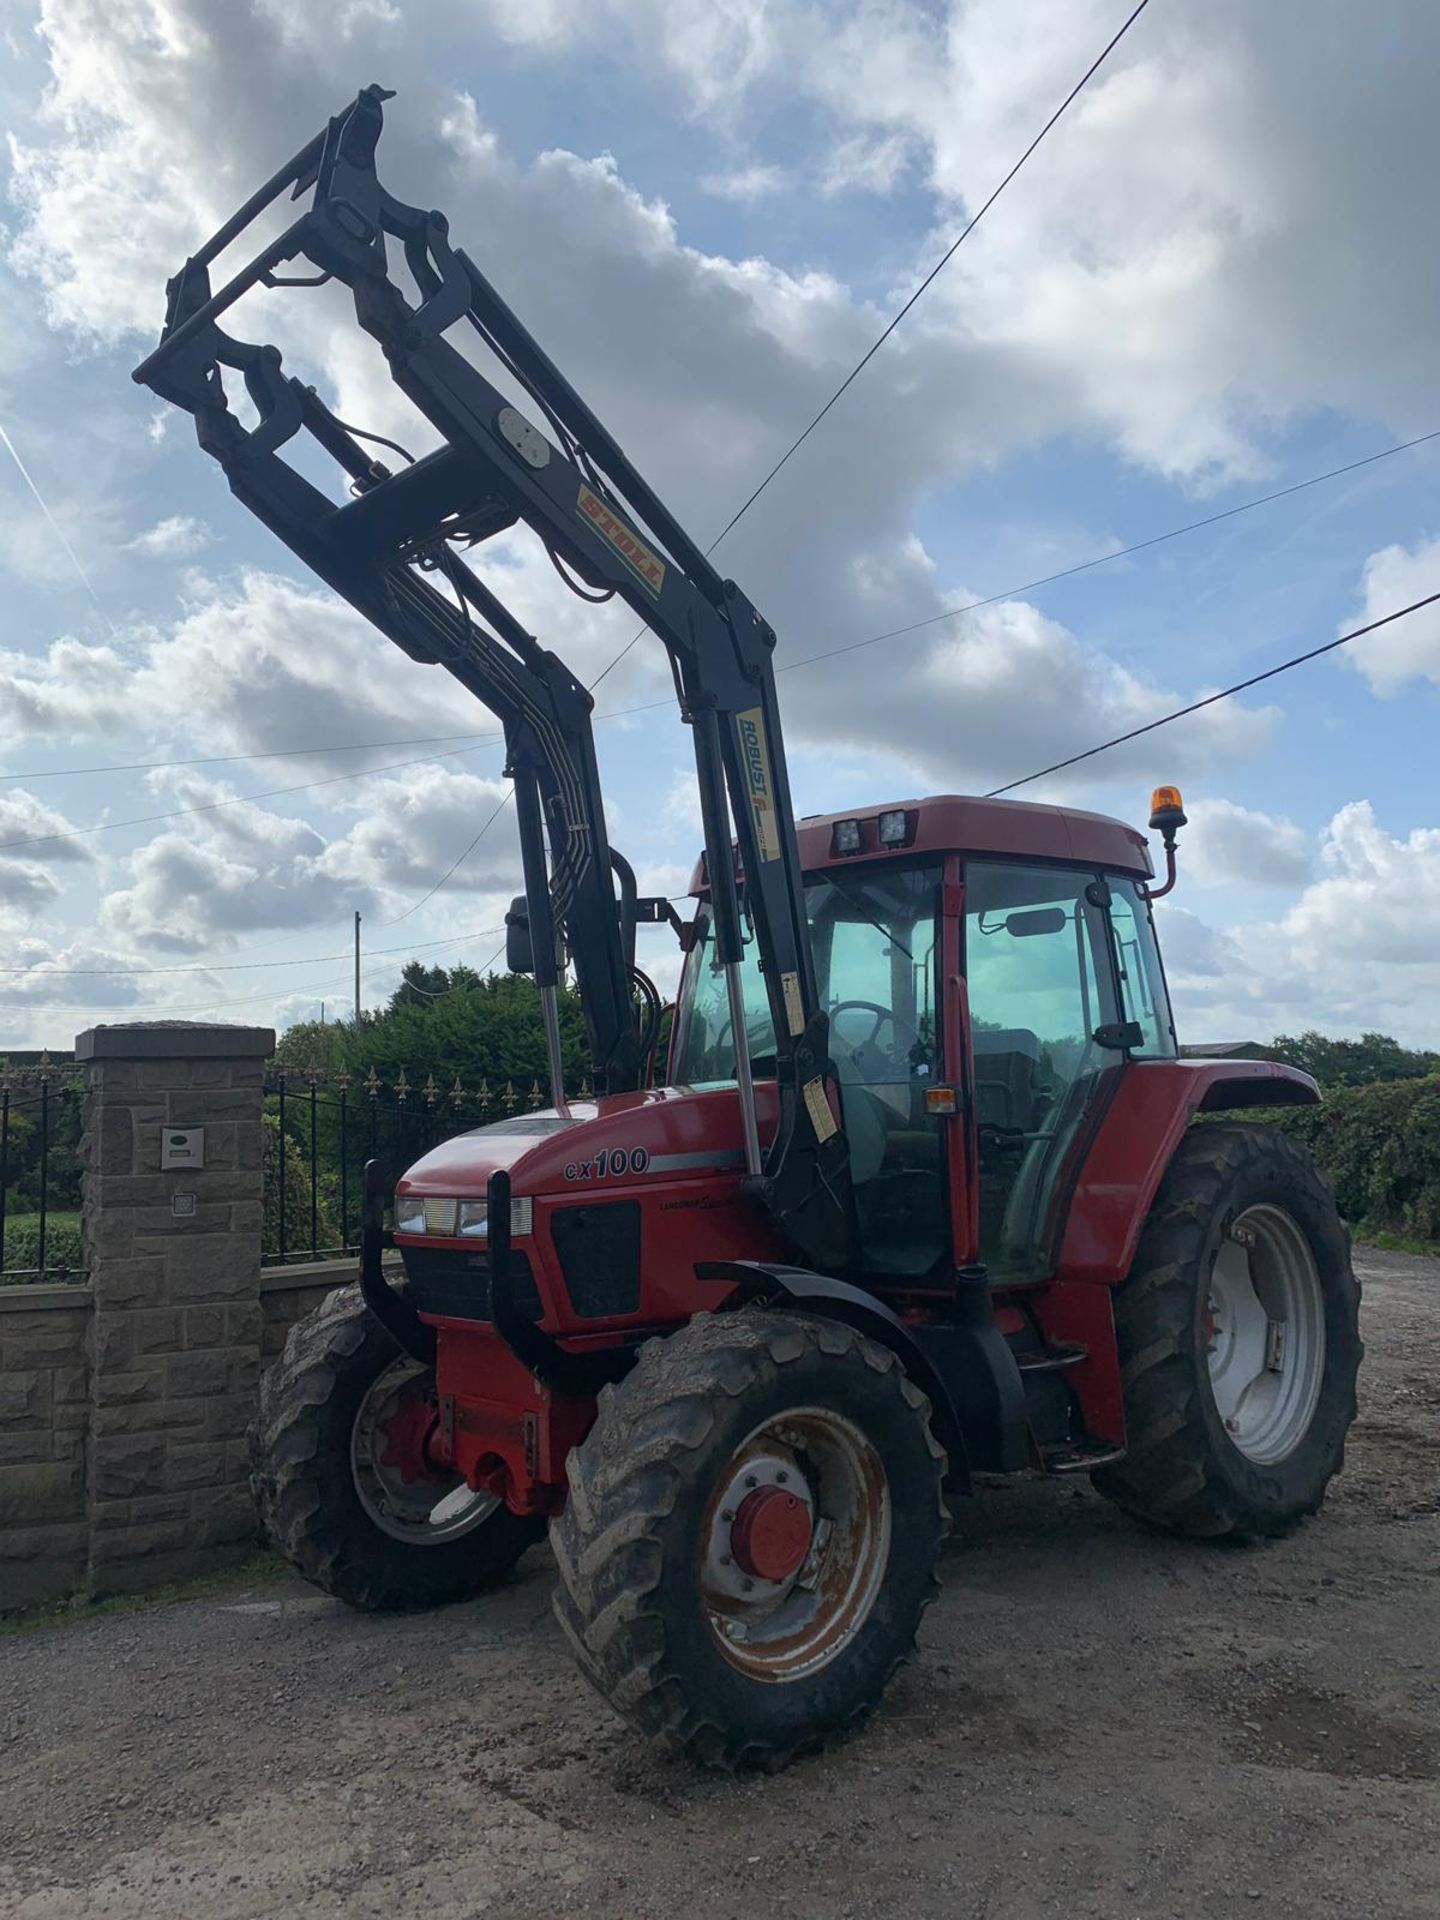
x: 297, y: 1197
x: 22, y: 1244
x: 1379, y: 1147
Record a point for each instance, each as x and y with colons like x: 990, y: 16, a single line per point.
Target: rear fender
x: 1144, y: 1123
x: 764, y: 1281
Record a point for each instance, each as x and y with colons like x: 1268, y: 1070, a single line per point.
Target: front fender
x: 1144, y: 1123
x: 766, y: 1280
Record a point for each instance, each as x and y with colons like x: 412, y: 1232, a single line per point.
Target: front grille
x: 455, y: 1281
x: 599, y: 1251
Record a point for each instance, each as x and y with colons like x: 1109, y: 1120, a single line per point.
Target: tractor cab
x: 988, y: 968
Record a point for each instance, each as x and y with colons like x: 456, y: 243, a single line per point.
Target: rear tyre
x: 1238, y: 1331
x: 345, y: 1482
x: 751, y: 1536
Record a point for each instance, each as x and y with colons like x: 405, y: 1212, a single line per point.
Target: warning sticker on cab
x: 645, y: 565
x: 818, y: 1107
x: 755, y: 758
x: 794, y: 1011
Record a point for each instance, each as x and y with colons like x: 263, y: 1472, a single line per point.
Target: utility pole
x: 357, y: 967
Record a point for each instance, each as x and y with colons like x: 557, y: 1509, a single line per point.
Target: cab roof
x: 957, y: 823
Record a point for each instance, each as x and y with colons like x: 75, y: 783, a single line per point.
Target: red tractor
x: 921, y: 1196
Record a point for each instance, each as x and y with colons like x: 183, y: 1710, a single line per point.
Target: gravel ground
x: 1101, y: 1722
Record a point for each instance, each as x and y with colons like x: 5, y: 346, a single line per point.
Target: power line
x: 455, y: 864
x: 248, y: 966
x: 234, y: 800
x: 259, y: 753
x: 1119, y: 553
x: 895, y: 320
x: 654, y: 706
x: 989, y: 600
x: 940, y: 264
x: 1298, y: 660
x: 313, y: 988
x: 789, y: 666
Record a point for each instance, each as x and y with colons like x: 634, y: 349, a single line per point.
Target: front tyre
x: 1238, y: 1331
x: 346, y: 1480
x: 751, y: 1535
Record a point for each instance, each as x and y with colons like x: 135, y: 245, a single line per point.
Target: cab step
x: 1072, y: 1459
x: 1051, y: 1359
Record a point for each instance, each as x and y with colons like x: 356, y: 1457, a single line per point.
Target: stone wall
x: 44, y: 1426
x: 124, y: 1404
x: 173, y: 1259
x: 287, y: 1294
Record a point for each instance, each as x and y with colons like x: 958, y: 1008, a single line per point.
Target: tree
x: 1352, y: 1063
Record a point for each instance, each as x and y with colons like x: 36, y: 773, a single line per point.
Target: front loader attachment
x: 391, y: 544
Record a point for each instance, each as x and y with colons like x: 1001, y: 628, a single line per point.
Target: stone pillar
x: 173, y: 1255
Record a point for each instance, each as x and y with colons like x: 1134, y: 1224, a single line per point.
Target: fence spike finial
x: 484, y: 1098
x: 430, y: 1090
x: 510, y: 1102
x: 537, y: 1099
x: 373, y: 1085
x: 457, y: 1094
x: 402, y: 1088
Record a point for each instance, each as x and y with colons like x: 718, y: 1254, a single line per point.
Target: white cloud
x: 680, y: 808
x: 702, y: 366
x: 745, y: 183
x: 861, y: 164
x: 1226, y: 845
x: 1175, y: 310
x: 1167, y: 261
x: 84, y: 975
x: 174, y: 538
x: 412, y: 831
x: 1357, y: 951
x: 1410, y: 649
x: 70, y: 691
x: 1001, y: 693
x: 27, y: 882
x: 227, y: 870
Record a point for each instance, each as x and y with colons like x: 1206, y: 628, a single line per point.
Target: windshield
x: 874, y: 938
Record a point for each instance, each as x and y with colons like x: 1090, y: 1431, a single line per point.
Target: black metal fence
x: 40, y: 1123
x: 321, y: 1129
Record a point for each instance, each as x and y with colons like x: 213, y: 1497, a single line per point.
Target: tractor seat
x: 1007, y: 1074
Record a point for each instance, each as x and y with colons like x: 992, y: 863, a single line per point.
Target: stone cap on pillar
x: 174, y: 1040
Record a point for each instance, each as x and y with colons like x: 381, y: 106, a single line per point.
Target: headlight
x: 409, y: 1214
x: 440, y: 1214
x: 449, y: 1219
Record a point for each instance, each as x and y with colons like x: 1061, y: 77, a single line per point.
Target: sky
x: 1216, y: 279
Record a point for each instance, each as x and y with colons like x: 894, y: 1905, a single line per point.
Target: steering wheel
x: 905, y: 1037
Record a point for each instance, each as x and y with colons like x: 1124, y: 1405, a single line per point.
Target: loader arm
x: 383, y: 549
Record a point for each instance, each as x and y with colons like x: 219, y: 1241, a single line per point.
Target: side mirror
x: 519, y: 953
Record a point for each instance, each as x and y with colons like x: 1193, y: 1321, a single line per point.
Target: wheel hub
x: 406, y: 1438
x: 1264, y: 1333
x: 794, y: 1544
x: 402, y: 1481
x: 771, y: 1534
